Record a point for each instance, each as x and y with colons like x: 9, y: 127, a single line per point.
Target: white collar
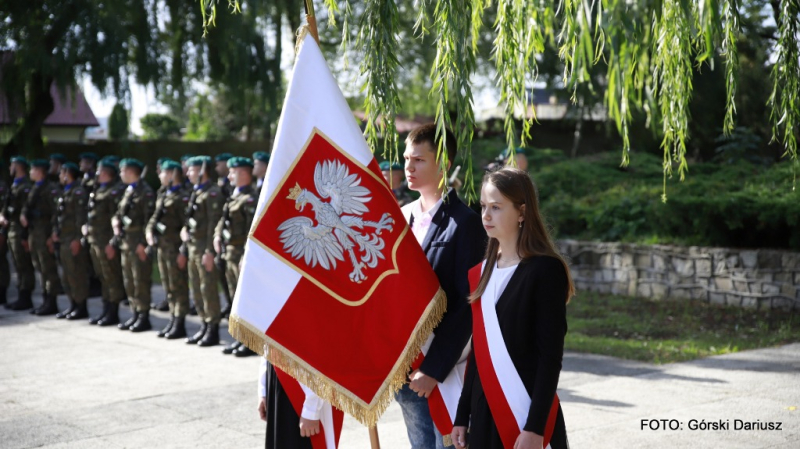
x: 416, y: 208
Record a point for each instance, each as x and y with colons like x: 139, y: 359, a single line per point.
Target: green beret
x: 161, y: 161
x: 109, y: 162
x: 261, y: 156
x: 71, y: 167
x: 238, y: 161
x: 169, y: 164
x: 386, y: 166
x: 40, y: 163
x: 519, y: 150
x: 58, y: 157
x: 199, y: 160
x: 222, y: 157
x: 132, y: 162
x: 19, y: 160
x: 89, y: 155
x: 111, y: 159
x: 186, y: 157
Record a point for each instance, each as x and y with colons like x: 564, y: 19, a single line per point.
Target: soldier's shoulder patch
x: 27, y: 190
x: 78, y: 192
x: 114, y: 192
x: 251, y: 200
x: 149, y: 193
x: 185, y: 199
x: 212, y: 193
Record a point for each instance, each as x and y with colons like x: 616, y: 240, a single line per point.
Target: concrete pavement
x: 71, y: 385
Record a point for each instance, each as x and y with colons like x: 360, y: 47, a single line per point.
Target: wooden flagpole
x: 311, y: 20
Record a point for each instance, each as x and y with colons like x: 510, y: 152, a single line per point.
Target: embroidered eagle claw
x: 339, y: 225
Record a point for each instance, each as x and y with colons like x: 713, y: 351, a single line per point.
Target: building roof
x: 68, y: 109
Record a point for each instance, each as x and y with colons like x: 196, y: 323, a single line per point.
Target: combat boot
x: 178, y: 329
x: 243, y: 351
x: 65, y: 313
x: 198, y: 336
x: 163, y: 332
x: 162, y: 306
x: 142, y: 322
x: 131, y: 321
x: 49, y: 307
x: 226, y: 311
x: 79, y: 312
x: 98, y: 318
x: 231, y: 347
x: 211, y: 338
x: 111, y: 317
x: 23, y: 301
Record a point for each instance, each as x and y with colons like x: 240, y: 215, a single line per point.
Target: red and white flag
x: 506, y: 395
x: 333, y: 284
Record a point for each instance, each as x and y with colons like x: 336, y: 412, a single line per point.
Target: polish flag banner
x: 334, y: 290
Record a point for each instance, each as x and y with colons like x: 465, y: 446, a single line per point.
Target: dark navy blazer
x: 455, y: 242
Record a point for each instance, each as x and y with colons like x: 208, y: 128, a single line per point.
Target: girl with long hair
x: 519, y: 297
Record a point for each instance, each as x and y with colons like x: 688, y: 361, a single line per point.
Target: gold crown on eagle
x: 295, y: 192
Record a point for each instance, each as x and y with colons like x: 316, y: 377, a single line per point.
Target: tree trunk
x: 27, y: 139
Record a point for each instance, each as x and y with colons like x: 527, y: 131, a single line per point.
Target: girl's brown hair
x: 533, y: 238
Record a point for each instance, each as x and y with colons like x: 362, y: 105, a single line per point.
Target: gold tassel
x: 301, y: 34
x: 366, y: 414
x: 447, y: 440
x: 242, y: 331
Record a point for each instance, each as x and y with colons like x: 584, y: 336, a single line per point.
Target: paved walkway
x: 70, y: 385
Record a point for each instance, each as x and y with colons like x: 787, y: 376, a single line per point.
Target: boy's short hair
x: 427, y: 133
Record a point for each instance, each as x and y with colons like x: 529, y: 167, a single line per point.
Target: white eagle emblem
x: 339, y: 226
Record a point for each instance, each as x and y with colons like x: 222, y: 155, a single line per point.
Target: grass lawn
x: 671, y: 330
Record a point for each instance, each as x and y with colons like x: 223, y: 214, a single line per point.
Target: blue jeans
x: 422, y: 434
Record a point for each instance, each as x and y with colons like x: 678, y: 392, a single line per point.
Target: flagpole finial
x: 311, y: 19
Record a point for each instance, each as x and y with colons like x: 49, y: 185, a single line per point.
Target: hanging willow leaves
x: 377, y: 35
x: 785, y: 98
x: 651, y: 49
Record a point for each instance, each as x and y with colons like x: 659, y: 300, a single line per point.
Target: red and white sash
x: 508, y: 399
x: 443, y: 400
x: 330, y: 419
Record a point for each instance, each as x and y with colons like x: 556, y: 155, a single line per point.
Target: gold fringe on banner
x: 367, y: 414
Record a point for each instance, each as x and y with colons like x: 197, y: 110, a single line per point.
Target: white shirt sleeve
x: 312, y: 406
x: 262, y: 379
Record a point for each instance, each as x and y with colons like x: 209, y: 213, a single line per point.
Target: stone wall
x: 746, y: 278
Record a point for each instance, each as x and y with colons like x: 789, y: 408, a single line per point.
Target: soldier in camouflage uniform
x: 17, y: 237
x: 163, y: 305
x: 88, y: 166
x: 233, y: 228
x: 164, y: 234
x: 226, y: 188
x: 393, y: 174
x: 69, y: 221
x: 260, y: 164
x: 103, y: 203
x: 5, y: 272
x: 54, y: 169
x: 37, y: 218
x: 205, y: 209
x: 133, y: 212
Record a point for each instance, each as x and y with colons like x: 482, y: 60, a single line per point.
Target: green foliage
x: 671, y: 330
x: 737, y: 204
x: 118, y: 123
x: 160, y: 127
x: 651, y: 51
